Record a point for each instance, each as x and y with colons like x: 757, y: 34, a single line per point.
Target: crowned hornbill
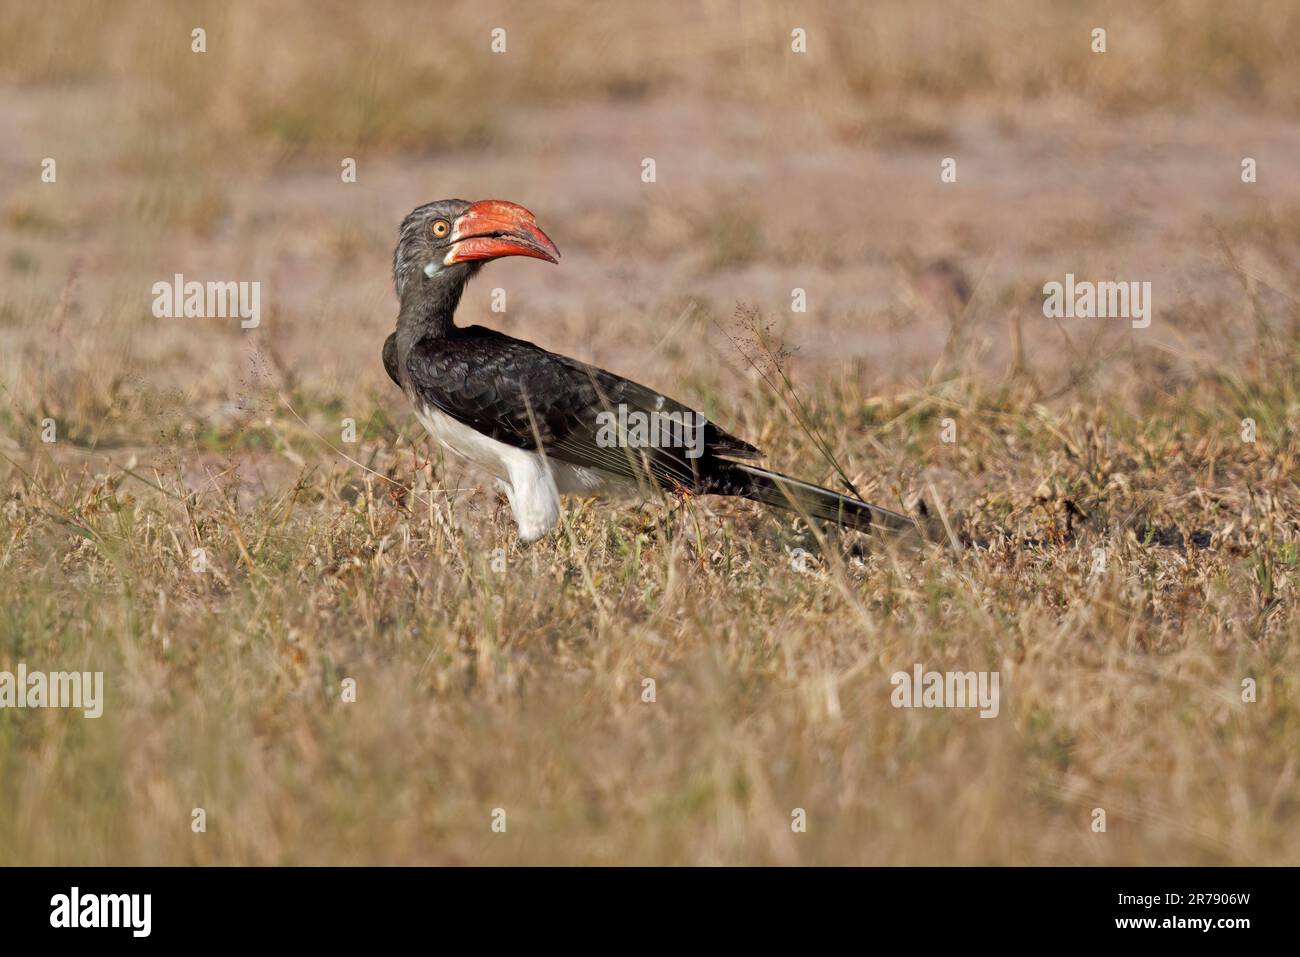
x: 544, y: 424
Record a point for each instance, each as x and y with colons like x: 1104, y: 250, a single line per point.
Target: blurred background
x: 775, y: 170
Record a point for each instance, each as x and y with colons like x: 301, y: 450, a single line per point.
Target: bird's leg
x: 416, y: 464
x: 504, y: 491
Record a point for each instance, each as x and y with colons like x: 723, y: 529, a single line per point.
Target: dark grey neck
x: 427, y: 312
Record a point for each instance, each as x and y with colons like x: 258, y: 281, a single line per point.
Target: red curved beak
x: 494, y: 228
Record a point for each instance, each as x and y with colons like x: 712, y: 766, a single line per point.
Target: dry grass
x: 491, y: 675
x: 332, y: 75
x: 520, y: 688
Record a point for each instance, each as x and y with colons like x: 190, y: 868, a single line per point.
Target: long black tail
x: 812, y: 501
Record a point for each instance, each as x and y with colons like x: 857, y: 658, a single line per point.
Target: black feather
x: 811, y: 501
x: 518, y: 393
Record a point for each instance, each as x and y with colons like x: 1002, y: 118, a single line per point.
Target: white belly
x: 532, y: 483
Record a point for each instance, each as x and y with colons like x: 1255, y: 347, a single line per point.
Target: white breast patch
x: 531, y: 482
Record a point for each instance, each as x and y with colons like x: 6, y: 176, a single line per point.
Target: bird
x: 544, y: 425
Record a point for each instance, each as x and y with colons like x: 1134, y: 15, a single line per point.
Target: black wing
x: 518, y: 393
x: 390, y: 359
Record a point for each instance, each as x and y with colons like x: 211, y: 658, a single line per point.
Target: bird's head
x: 444, y: 242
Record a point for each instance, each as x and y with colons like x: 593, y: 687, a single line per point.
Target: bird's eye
x: 441, y: 227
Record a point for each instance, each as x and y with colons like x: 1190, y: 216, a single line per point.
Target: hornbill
x: 541, y: 423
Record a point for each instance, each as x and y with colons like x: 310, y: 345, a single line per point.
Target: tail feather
x: 812, y: 501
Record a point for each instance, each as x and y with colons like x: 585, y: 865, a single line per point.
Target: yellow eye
x: 441, y: 227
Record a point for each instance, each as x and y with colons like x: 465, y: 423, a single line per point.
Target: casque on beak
x: 494, y: 228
